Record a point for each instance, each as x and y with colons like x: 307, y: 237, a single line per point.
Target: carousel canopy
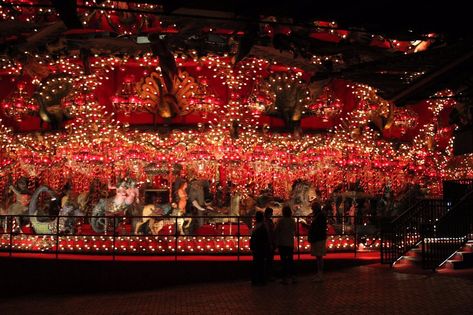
x: 241, y: 91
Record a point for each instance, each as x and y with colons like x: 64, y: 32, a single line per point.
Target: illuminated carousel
x: 125, y: 130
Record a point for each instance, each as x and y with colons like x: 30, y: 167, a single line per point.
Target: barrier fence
x: 165, y: 235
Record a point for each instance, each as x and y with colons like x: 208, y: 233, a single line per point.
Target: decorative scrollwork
x: 285, y: 96
x: 168, y: 103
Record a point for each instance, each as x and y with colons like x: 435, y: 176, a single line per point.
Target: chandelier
x: 203, y: 101
x: 256, y: 106
x: 126, y: 100
x: 405, y: 119
x: 326, y: 106
x: 19, y: 104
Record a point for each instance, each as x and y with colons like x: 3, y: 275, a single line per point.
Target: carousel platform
x: 222, y: 239
x: 36, y: 273
x: 84, y: 260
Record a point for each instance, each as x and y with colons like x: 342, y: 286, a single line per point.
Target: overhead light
x: 142, y: 40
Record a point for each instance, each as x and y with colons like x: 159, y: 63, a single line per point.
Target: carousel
x: 125, y: 130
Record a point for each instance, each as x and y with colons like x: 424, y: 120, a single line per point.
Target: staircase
x: 461, y: 259
x: 413, y: 258
x: 431, y: 232
x: 404, y: 233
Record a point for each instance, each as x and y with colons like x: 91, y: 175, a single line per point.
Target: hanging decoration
x: 125, y: 99
x: 116, y: 18
x: 158, y: 98
x: 288, y: 97
x: 324, y: 104
x: 50, y: 94
x: 20, y: 104
x: 405, y: 119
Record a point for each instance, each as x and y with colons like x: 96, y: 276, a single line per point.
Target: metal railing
x: 404, y: 233
x: 417, y: 226
x: 442, y: 238
x: 218, y: 235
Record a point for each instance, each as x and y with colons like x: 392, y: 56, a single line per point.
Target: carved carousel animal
x: 20, y: 206
x: 265, y: 201
x: 302, y: 195
x: 67, y: 215
x: 166, y: 92
x: 125, y: 202
x: 88, y: 199
x: 50, y: 95
x: 199, y: 192
x: 154, y: 219
x: 108, y: 207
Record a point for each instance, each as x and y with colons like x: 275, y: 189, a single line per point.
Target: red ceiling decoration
x: 256, y: 122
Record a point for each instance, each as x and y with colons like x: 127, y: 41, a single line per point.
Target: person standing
x: 182, y: 198
x: 132, y: 193
x: 268, y: 222
x: 317, y: 237
x: 259, y: 245
x: 284, y: 233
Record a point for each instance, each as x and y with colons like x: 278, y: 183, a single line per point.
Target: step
x: 414, y: 252
x: 457, y: 264
x: 409, y: 260
x: 463, y: 255
x: 468, y: 246
x: 466, y: 256
x: 468, y: 249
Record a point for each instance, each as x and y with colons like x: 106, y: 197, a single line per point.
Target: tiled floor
x: 358, y: 290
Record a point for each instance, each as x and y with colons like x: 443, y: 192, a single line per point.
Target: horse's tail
x: 40, y: 227
x: 98, y: 221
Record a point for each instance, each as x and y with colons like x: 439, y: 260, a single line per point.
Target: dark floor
x: 371, y: 289
x: 33, y: 273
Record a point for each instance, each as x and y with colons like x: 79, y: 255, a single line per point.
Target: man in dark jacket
x: 260, y: 247
x: 317, y: 238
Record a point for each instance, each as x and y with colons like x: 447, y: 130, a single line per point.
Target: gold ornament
x: 168, y: 103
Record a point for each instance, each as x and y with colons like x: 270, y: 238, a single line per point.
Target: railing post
x: 355, y: 232
x: 113, y: 238
x: 176, y: 235
x: 57, y: 236
x: 10, y: 218
x: 381, y: 245
x: 425, y: 231
x: 298, y: 239
x: 238, y: 239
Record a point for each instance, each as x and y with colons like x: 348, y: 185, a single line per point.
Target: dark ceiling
x: 393, y: 18
x: 402, y: 78
x: 399, y: 77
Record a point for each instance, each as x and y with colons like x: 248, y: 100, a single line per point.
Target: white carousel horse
x: 67, y: 215
x: 302, y: 196
x: 154, y: 218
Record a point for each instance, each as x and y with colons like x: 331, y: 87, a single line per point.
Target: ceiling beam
x: 430, y: 79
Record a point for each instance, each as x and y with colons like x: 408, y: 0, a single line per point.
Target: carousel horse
x: 113, y: 206
x: 149, y: 215
x: 266, y: 199
x: 20, y: 207
x: 197, y: 204
x: 301, y: 197
x: 67, y: 215
x: 262, y: 203
x: 154, y: 219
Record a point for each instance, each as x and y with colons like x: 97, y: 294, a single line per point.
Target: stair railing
x: 442, y: 238
x: 404, y: 232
